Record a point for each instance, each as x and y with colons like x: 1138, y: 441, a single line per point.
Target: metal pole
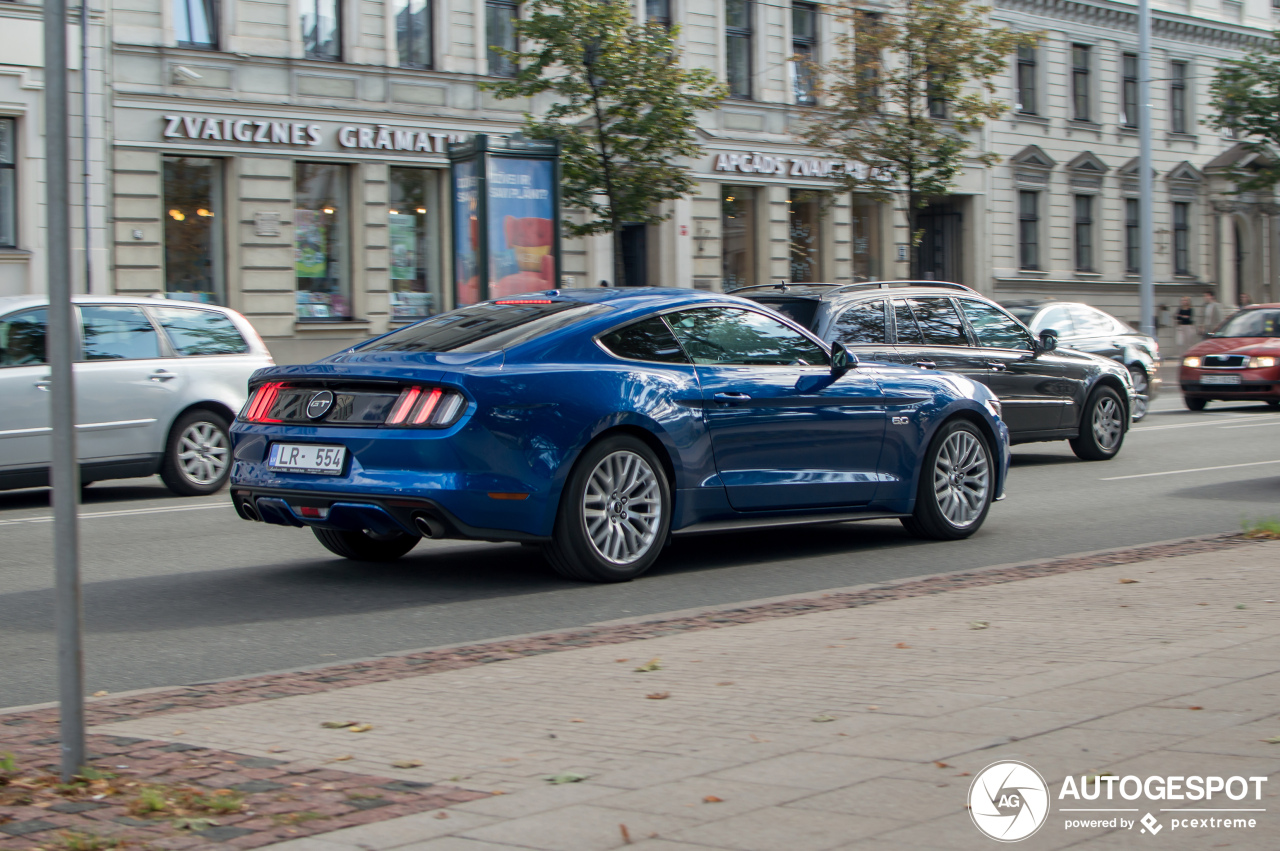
x: 65, y: 476
x: 84, y: 135
x: 1146, y: 204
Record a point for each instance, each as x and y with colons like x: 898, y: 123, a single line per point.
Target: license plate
x: 307, y: 458
x: 1219, y: 379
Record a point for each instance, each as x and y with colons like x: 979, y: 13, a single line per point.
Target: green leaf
x: 566, y: 777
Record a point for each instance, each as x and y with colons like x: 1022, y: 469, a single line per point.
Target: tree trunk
x: 619, y: 268
x: 913, y: 247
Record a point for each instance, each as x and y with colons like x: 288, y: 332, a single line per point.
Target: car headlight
x: 994, y: 406
x: 1194, y: 363
x: 1256, y: 363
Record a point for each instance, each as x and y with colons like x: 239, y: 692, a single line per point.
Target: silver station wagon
x: 158, y: 383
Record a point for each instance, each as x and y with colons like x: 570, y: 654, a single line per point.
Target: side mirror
x: 1048, y: 340
x: 842, y: 360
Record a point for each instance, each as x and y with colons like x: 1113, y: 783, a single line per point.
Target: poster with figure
x: 310, y: 250
x: 403, y: 235
x: 466, y: 233
x: 522, y: 221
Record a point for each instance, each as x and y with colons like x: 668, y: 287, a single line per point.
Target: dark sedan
x: 1087, y: 329
x: 1047, y: 394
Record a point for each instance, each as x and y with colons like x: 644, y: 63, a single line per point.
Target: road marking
x: 1256, y: 425
x: 1192, y: 470
x: 1206, y: 424
x: 127, y: 512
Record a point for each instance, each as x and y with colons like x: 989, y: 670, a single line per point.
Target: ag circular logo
x: 320, y: 404
x: 1008, y: 801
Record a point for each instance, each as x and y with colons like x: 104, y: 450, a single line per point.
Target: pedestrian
x: 604, y: 283
x: 1210, y: 314
x: 1184, y: 323
x: 1245, y: 300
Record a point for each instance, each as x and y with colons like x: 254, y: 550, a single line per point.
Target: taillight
x: 264, y: 399
x: 430, y: 407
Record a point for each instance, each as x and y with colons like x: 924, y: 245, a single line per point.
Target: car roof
x: 18, y: 302
x: 822, y: 292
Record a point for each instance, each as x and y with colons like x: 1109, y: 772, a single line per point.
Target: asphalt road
x: 181, y: 590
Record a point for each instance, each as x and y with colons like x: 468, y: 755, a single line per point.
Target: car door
x: 863, y: 328
x: 24, y: 391
x: 931, y: 334
x: 126, y: 388
x: 785, y: 432
x: 1029, y: 385
x: 213, y: 360
x: 1095, y: 332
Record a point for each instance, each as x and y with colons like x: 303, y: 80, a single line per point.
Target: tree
x: 623, y: 110
x: 906, y: 88
x: 1246, y: 96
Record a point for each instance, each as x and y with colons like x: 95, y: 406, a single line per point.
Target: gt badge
x: 320, y: 404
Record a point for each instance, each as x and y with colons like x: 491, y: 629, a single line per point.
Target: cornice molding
x: 1124, y: 17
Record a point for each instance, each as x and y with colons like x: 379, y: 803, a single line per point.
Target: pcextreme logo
x: 1010, y: 801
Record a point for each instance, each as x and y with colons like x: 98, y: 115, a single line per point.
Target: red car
x: 1238, y: 363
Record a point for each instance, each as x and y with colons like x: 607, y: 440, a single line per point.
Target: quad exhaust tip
x: 429, y: 526
x: 250, y: 510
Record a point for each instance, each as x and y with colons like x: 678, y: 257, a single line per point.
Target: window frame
x: 746, y: 34
x: 1083, y: 243
x: 153, y: 314
x: 1029, y: 222
x: 1181, y: 255
x: 309, y: 52
x: 1132, y: 236
x: 1179, y: 102
x: 497, y: 65
x: 163, y: 349
x: 885, y: 322
x: 663, y: 21
x: 402, y: 8
x: 39, y: 308
x: 11, y: 166
x: 1130, y: 109
x: 1081, y: 81
x: 1028, y: 66
x: 961, y: 302
x: 824, y: 347
x: 212, y: 10
x: 807, y: 46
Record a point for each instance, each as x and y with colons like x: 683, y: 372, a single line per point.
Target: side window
x: 862, y: 323
x: 908, y: 332
x: 1056, y: 319
x: 200, y: 332
x: 649, y: 339
x: 727, y: 335
x: 22, y: 338
x: 939, y: 322
x: 994, y: 328
x: 1090, y: 322
x: 117, y: 332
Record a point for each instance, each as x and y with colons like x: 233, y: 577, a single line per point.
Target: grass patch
x: 74, y: 840
x: 297, y: 818
x: 1263, y: 528
x: 185, y: 802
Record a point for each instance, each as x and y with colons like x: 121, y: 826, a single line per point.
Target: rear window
x: 488, y: 327
x: 200, y: 332
x: 648, y: 340
x: 798, y: 310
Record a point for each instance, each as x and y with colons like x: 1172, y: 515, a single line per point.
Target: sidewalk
x: 859, y: 726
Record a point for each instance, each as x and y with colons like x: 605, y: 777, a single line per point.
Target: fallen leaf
x: 658, y: 695
x: 1274, y: 740
x: 565, y: 777
x: 1241, y: 606
x: 577, y: 721
x: 1202, y: 604
x: 1195, y: 707
x: 406, y: 763
x: 276, y: 750
x: 979, y: 624
x: 360, y: 728
x: 1128, y: 581
x: 712, y: 799
x: 823, y: 718
x: 963, y: 774
x: 941, y: 764
x: 902, y: 645
x: 102, y: 693
x: 178, y: 732
x: 873, y: 707
x: 651, y: 665
x: 337, y: 725
x: 343, y: 758
x: 626, y: 835
x: 441, y: 814
x: 725, y: 683
x: 622, y: 660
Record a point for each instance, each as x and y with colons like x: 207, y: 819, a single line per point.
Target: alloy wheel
x: 1141, y: 389
x: 961, y: 478
x: 622, y: 507
x: 203, y: 453
x: 1108, y: 423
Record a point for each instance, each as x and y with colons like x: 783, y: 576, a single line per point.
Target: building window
x: 414, y: 33
x: 1132, y: 237
x: 193, y: 229
x: 1178, y: 97
x: 1029, y: 230
x: 737, y: 16
x: 866, y: 240
x: 8, y: 184
x: 1129, y: 90
x: 1027, y: 73
x: 804, y: 52
x: 658, y: 12
x: 320, y: 241
x: 500, y: 29
x: 413, y: 223
x: 867, y: 59
x: 1084, y: 233
x: 1080, y: 83
x: 322, y: 29
x: 937, y: 102
x: 195, y: 23
x: 806, y: 236
x: 1181, y: 238
x: 737, y: 236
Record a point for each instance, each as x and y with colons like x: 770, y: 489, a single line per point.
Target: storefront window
x: 806, y: 235
x: 320, y: 241
x: 193, y: 229
x: 738, y: 229
x: 866, y: 240
x: 8, y: 181
x: 414, y: 231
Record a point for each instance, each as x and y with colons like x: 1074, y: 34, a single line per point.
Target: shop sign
x: 377, y: 137
x: 757, y: 163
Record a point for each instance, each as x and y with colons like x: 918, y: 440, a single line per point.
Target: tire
x: 599, y: 535
x: 955, y: 489
x: 360, y: 546
x: 1102, y: 426
x: 1195, y: 403
x: 197, y: 457
x: 1142, y: 392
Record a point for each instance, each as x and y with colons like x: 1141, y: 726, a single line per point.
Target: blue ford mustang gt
x: 599, y: 423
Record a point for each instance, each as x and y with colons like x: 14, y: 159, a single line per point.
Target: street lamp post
x: 1146, y: 205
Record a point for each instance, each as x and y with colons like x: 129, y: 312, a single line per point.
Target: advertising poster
x: 522, y: 222
x: 404, y: 238
x: 466, y: 233
x: 310, y: 254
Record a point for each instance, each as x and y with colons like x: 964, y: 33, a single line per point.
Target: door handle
x: 162, y: 375
x: 44, y: 384
x: 732, y: 396
x: 996, y: 365
x: 926, y: 364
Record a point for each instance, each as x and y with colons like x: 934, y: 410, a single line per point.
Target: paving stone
x: 179, y: 747
x: 223, y: 833
x: 258, y: 786
x: 77, y: 807
x: 773, y: 828
x: 582, y: 827
x: 260, y: 762
x: 23, y: 828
